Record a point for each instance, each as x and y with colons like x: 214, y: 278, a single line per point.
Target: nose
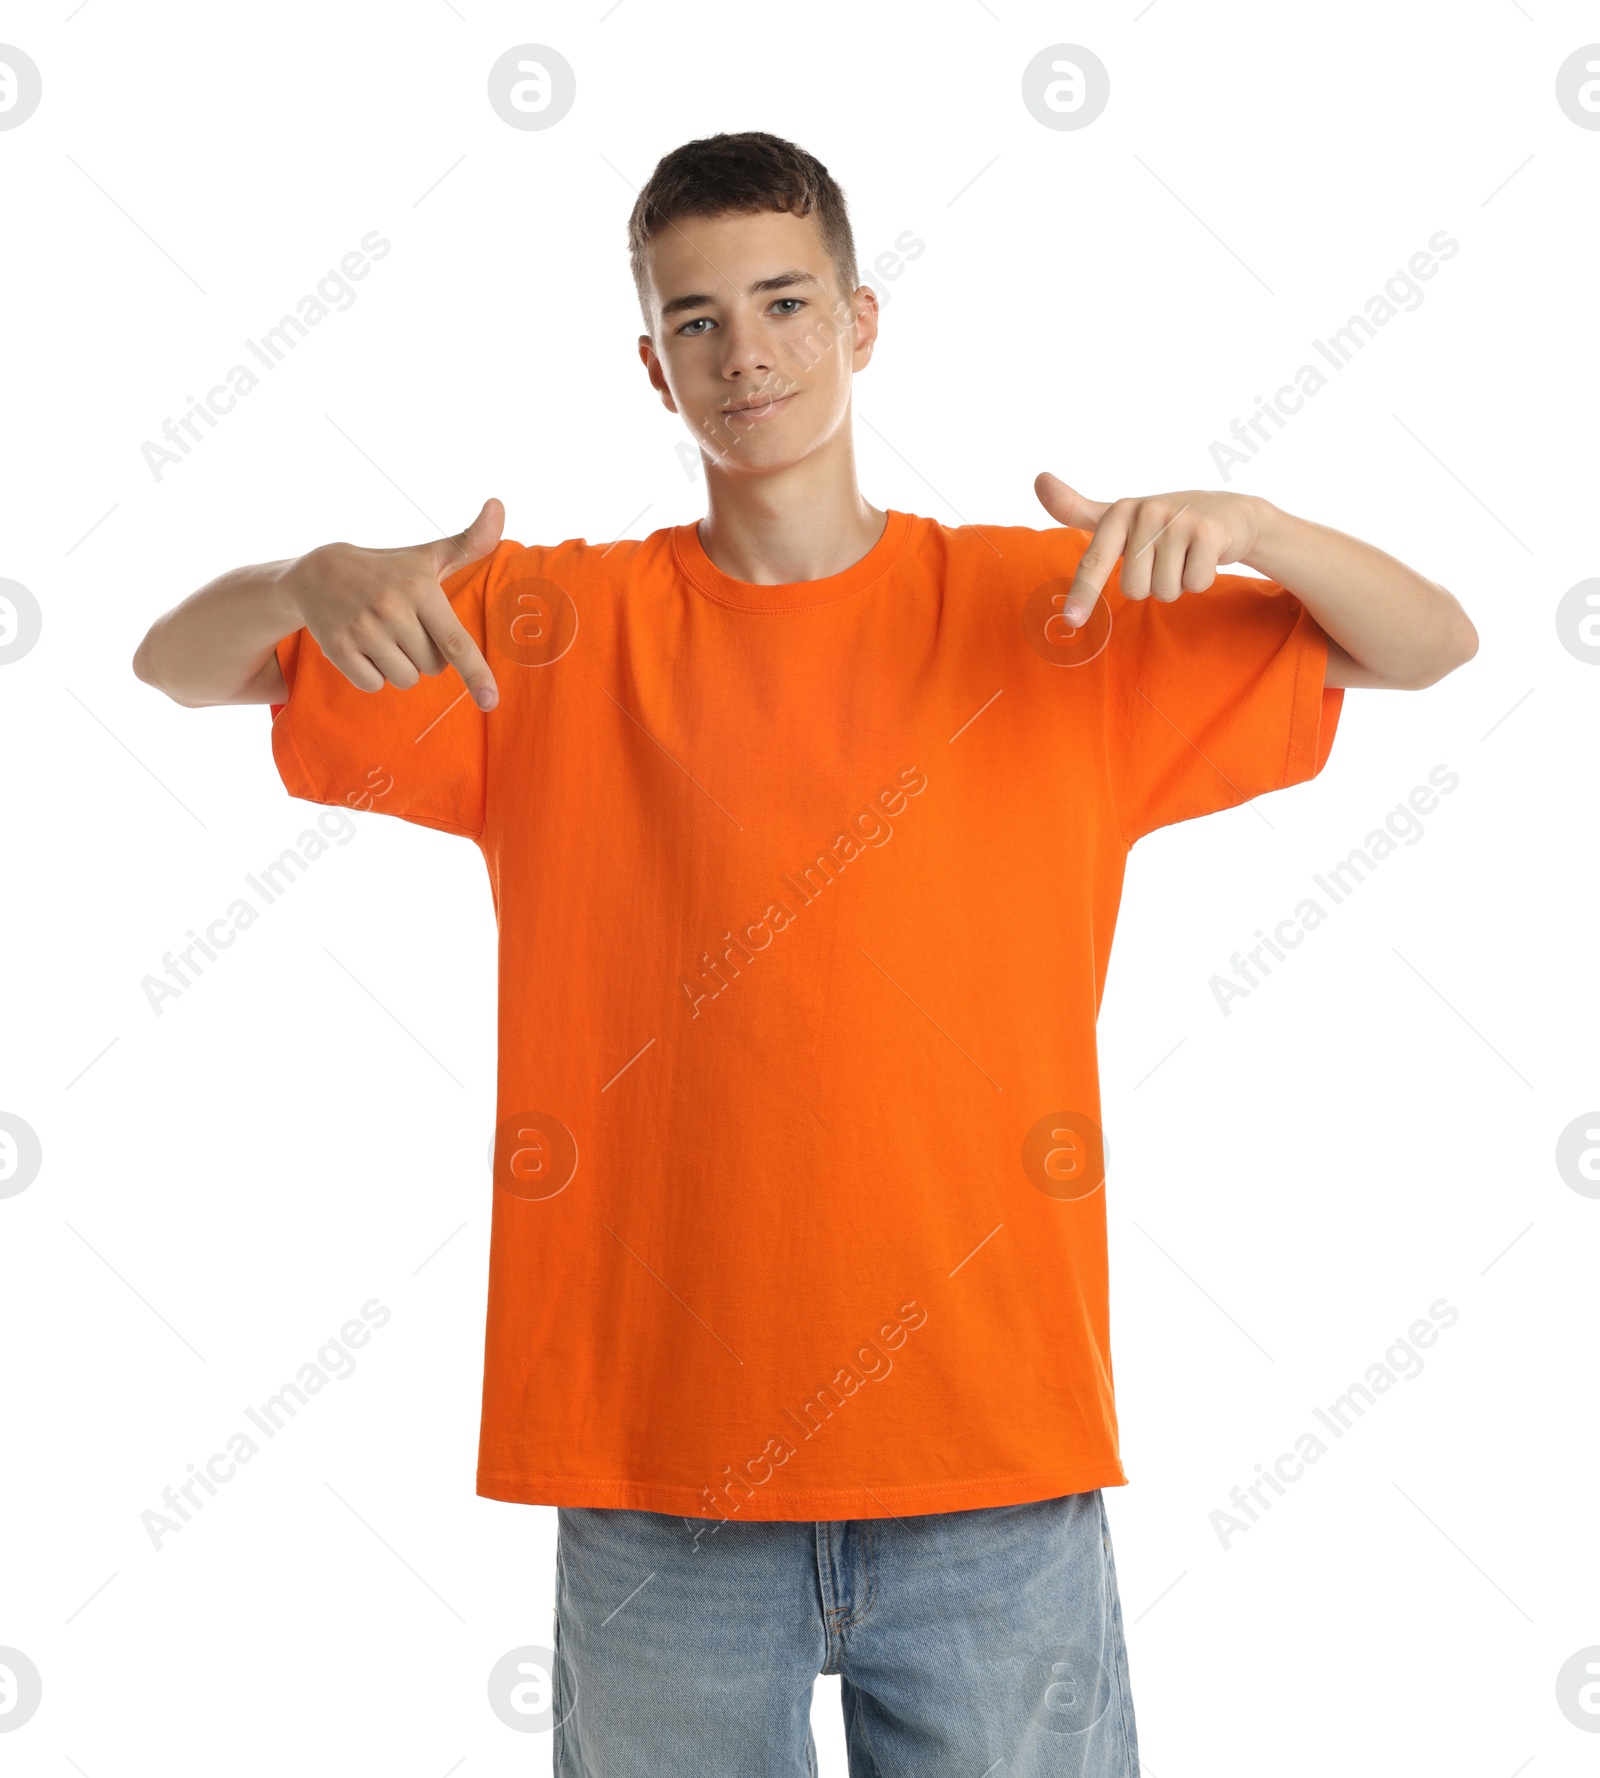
x: 747, y: 352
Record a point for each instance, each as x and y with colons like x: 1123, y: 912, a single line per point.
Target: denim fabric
x: 979, y: 1644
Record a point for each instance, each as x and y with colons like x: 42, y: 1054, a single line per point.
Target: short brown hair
x: 741, y: 175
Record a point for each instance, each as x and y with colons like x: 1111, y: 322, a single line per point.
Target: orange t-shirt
x: 805, y: 898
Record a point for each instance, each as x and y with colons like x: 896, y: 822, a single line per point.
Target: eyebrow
x: 778, y: 281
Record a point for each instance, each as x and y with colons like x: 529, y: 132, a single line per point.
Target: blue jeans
x: 979, y: 1644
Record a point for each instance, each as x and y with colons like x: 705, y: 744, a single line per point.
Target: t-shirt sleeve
x: 419, y: 752
x: 1214, y: 698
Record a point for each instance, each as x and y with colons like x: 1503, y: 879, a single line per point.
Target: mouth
x: 751, y: 412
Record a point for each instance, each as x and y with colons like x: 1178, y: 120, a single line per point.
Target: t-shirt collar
x: 795, y: 595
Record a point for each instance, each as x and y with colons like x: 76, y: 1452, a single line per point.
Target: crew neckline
x: 793, y: 595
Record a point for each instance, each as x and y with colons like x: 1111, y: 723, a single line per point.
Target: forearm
x: 1402, y: 629
x: 217, y: 647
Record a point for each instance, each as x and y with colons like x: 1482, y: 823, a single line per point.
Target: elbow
x: 1456, y: 647
x: 1463, y: 643
x: 143, y: 669
x: 146, y: 671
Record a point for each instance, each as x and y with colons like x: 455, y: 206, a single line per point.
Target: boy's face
x: 746, y: 313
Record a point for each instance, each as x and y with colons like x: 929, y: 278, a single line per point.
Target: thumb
x: 1066, y: 505
x: 471, y: 545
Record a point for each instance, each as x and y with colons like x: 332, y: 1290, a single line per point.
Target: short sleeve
x: 420, y: 753
x: 1214, y: 698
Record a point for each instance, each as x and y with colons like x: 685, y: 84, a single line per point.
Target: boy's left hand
x: 1170, y: 544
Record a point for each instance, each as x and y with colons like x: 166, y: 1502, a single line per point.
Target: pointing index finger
x: 455, y: 643
x: 1095, y: 565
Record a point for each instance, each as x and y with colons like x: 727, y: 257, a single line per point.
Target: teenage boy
x: 805, y: 827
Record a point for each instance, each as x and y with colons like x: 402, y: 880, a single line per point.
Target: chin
x: 762, y: 455
x: 774, y: 445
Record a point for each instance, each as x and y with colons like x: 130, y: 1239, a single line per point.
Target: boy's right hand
x: 381, y: 615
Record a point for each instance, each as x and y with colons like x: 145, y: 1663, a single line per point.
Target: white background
x: 305, y: 1128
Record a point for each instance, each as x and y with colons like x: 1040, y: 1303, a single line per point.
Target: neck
x: 804, y: 522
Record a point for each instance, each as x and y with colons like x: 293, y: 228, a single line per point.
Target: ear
x: 652, y: 365
x: 866, y: 324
